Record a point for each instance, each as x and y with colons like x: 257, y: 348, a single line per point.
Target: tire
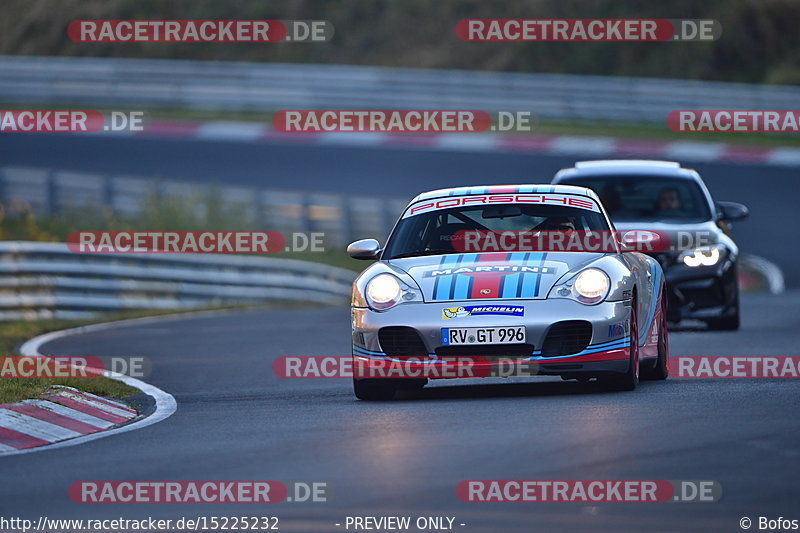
x: 727, y: 323
x: 374, y: 390
x: 660, y: 369
x: 628, y: 380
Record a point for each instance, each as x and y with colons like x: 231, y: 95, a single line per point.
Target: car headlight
x: 703, y: 256
x: 590, y: 286
x: 384, y: 291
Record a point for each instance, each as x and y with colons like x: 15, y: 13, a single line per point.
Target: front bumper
x: 700, y: 292
x: 607, y: 349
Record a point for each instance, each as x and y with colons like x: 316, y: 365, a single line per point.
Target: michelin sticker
x: 480, y: 310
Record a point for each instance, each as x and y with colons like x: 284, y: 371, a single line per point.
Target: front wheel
x: 375, y: 390
x: 628, y: 380
x: 660, y: 369
x: 731, y: 321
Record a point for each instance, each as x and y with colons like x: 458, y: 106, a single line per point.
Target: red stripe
x: 54, y: 418
x: 170, y: 128
x: 525, y: 143
x: 495, y: 257
x: 18, y: 440
x: 88, y: 409
x: 609, y: 355
x: 488, y: 283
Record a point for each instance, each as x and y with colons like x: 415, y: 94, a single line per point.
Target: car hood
x: 681, y: 236
x: 520, y: 275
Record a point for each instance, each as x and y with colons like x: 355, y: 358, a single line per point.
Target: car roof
x: 622, y: 167
x: 536, y: 188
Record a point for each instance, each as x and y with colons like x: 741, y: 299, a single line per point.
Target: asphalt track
x: 770, y: 192
x: 237, y: 421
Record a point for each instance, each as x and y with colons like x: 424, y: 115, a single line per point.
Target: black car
x: 700, y: 263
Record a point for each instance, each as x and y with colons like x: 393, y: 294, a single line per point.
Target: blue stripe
x: 510, y: 285
x: 596, y: 348
x: 529, y: 279
x: 461, y: 290
x: 539, y: 276
x: 511, y: 281
x: 445, y: 282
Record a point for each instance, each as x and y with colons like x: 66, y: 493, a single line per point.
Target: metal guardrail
x: 46, y: 280
x: 342, y: 218
x: 239, y: 86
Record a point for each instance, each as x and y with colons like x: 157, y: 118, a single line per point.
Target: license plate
x: 491, y: 335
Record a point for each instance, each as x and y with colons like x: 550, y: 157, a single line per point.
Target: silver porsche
x: 466, y: 285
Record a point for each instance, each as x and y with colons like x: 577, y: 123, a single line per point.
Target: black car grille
x: 487, y: 351
x: 566, y: 338
x: 401, y: 341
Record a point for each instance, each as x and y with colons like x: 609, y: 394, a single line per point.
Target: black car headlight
x: 703, y: 256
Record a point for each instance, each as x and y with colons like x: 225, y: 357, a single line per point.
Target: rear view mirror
x: 501, y: 211
x: 364, y: 249
x: 730, y: 211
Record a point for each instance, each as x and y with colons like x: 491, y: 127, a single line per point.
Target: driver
x: 559, y: 224
x: 668, y: 200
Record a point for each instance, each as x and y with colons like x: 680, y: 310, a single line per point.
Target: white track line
x: 165, y: 402
x: 74, y: 414
x: 80, y: 398
x: 34, y: 427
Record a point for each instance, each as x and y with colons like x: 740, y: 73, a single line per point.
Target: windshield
x: 438, y: 232
x: 645, y: 198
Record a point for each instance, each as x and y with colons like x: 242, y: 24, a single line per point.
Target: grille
x: 401, y: 341
x: 566, y: 338
x: 487, y: 351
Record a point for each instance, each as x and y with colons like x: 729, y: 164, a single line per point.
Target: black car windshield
x: 440, y: 231
x: 648, y: 198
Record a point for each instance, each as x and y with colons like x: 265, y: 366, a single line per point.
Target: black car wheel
x: 628, y: 380
x: 729, y: 322
x: 660, y: 369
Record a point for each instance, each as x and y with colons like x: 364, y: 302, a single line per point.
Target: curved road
x: 236, y: 420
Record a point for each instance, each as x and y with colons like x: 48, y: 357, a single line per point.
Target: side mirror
x: 730, y: 211
x: 364, y: 249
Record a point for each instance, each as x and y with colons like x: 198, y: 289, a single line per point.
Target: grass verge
x: 13, y: 334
